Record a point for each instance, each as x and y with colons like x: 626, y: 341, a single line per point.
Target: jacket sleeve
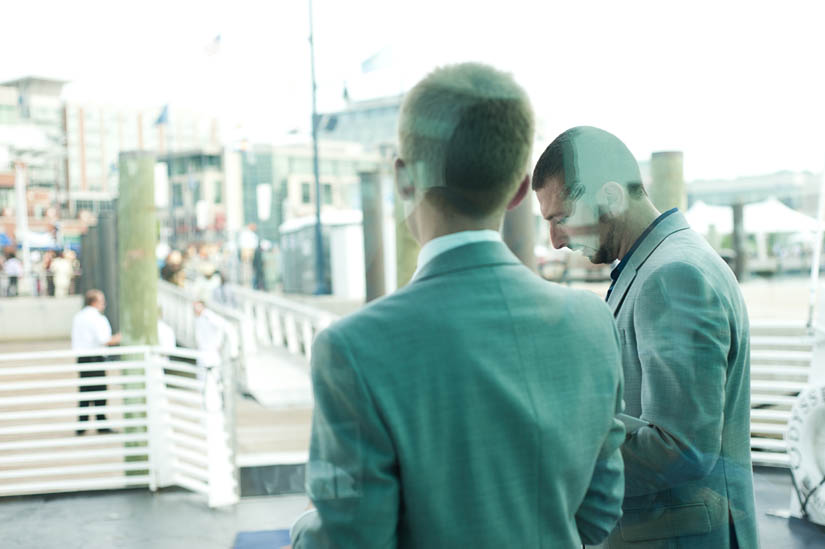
x: 352, y: 476
x: 602, y: 505
x: 683, y: 338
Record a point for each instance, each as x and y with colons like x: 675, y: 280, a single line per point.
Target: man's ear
x: 612, y: 198
x: 405, y: 186
x: 521, y: 192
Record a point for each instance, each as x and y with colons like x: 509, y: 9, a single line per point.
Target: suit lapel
x: 620, y: 289
x: 673, y: 223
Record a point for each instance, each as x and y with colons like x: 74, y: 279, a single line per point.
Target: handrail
x: 210, y: 303
x: 283, y: 303
x: 281, y: 323
x: 102, y: 351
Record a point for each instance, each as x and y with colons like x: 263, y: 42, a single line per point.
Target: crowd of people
x: 53, y: 273
x: 207, y: 268
x: 202, y: 269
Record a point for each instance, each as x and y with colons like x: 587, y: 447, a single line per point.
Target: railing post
x: 248, y: 340
x: 221, y: 469
x: 248, y: 308
x: 160, y: 452
x: 277, y: 332
x: 260, y: 319
x: 306, y: 336
x: 292, y: 343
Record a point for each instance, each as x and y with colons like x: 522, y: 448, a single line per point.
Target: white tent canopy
x: 769, y: 216
x: 701, y: 217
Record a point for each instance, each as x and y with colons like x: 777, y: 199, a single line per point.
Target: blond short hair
x: 466, y: 134
x: 91, y: 297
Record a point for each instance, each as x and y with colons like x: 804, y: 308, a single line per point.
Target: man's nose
x: 558, y: 237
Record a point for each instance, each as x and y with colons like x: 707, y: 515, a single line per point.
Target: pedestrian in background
x: 91, y: 330
x: 62, y: 272
x: 14, y: 270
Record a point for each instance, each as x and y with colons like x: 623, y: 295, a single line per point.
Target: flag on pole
x: 378, y: 61
x: 164, y: 116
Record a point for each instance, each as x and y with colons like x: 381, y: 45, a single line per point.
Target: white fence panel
x: 781, y: 356
x: 54, y: 437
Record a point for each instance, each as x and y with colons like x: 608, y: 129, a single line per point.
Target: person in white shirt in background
x: 206, y: 280
x: 222, y: 293
x: 210, y: 332
x: 247, y: 243
x: 13, y: 268
x: 62, y: 271
x: 91, y: 330
x: 166, y: 335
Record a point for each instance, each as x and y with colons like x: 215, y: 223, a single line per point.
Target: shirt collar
x: 438, y: 246
x: 617, y: 270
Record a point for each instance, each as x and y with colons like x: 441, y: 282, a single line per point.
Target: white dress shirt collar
x: 441, y: 244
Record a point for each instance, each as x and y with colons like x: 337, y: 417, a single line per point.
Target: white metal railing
x: 254, y: 321
x: 781, y: 367
x: 781, y: 355
x: 176, y: 307
x: 280, y: 322
x: 167, y: 416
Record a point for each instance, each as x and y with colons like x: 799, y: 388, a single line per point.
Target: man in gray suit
x: 475, y: 407
x: 685, y: 348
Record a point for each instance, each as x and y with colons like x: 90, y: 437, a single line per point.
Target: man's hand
x: 115, y: 340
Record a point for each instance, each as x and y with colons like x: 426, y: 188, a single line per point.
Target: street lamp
x: 320, y: 279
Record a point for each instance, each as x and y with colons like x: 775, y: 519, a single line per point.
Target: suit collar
x: 673, y: 223
x: 468, y: 256
x: 442, y: 244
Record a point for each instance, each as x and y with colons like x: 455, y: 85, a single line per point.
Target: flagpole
x: 320, y: 279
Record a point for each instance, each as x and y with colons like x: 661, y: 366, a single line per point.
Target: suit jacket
x: 686, y: 359
x: 473, y: 408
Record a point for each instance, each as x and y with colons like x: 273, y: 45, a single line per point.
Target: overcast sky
x: 738, y: 86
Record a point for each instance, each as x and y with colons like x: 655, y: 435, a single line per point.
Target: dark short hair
x: 551, y: 165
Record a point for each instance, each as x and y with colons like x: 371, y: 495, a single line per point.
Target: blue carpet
x: 263, y: 539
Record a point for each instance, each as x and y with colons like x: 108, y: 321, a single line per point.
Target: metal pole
x: 107, y: 251
x: 89, y: 259
x: 22, y: 208
x: 817, y: 258
x: 193, y: 219
x: 372, y: 198
x: 740, y: 261
x: 320, y: 279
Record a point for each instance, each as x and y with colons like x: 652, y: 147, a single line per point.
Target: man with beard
x: 685, y: 348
